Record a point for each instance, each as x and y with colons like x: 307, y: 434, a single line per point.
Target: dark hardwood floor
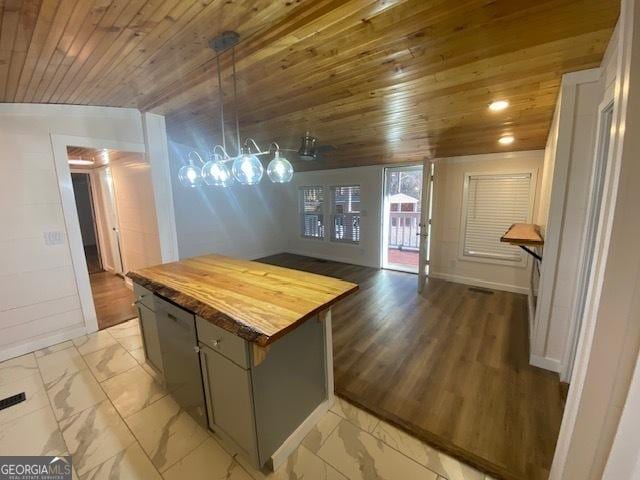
x: 112, y: 299
x: 93, y: 259
x: 450, y: 366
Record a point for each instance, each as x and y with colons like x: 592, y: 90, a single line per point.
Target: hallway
x: 112, y: 298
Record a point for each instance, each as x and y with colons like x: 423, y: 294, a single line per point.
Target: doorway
x: 86, y: 217
x: 401, y: 218
x: 116, y: 211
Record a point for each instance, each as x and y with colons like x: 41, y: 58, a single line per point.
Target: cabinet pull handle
x: 172, y: 317
x: 215, y: 343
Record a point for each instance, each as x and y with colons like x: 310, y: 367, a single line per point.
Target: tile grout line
x: 138, y: 364
x: 135, y: 438
x: 378, y: 421
x: 233, y: 457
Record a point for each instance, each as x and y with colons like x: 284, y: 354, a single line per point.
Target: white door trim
x: 59, y: 145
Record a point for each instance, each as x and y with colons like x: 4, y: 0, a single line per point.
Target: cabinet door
x: 229, y: 399
x: 151, y: 340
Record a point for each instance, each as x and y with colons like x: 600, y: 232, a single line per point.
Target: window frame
x: 301, y: 212
x: 333, y: 214
x: 523, y: 262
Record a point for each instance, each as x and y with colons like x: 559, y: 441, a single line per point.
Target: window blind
x: 345, y: 213
x: 312, y: 212
x: 492, y: 204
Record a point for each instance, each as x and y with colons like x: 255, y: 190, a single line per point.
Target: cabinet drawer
x: 223, y: 342
x: 144, y: 296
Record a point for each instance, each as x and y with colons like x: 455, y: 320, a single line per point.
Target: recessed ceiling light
x: 498, y: 105
x: 506, y: 140
x: 80, y: 161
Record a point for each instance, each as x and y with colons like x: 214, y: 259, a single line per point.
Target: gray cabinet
x: 148, y: 326
x: 255, y: 408
x: 179, y: 347
x: 150, y: 337
x: 229, y: 399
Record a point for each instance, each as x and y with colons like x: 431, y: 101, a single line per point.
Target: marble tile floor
x: 96, y: 399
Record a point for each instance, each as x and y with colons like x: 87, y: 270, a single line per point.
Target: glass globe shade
x: 247, y: 169
x: 216, y: 172
x: 189, y: 176
x: 280, y: 169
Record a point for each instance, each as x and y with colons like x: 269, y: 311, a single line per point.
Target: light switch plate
x: 54, y: 238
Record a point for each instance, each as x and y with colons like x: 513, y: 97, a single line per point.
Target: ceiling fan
x: 309, y: 150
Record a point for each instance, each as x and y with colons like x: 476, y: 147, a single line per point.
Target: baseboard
x: 532, y: 313
x: 290, y: 444
x: 545, y: 363
x: 476, y: 282
x: 43, y: 342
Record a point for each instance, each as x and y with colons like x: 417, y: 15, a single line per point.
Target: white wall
x: 140, y: 242
x: 447, y: 212
x: 367, y: 252
x: 240, y: 221
x: 39, y: 298
x: 609, y: 345
x: 563, y: 214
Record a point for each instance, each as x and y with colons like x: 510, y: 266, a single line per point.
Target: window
x: 345, y: 214
x: 311, y: 212
x: 492, y: 203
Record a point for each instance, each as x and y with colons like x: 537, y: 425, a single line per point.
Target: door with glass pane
x: 401, y: 219
x: 428, y: 172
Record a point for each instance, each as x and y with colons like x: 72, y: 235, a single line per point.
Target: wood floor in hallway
x: 450, y: 366
x: 112, y: 299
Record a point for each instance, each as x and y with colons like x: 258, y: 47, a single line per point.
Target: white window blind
x: 345, y: 213
x: 492, y: 204
x: 312, y: 212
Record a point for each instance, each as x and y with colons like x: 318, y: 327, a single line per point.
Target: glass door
x: 401, y: 218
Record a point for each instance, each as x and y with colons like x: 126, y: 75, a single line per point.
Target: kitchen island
x: 244, y: 347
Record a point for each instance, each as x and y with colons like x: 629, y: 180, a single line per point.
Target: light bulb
x: 279, y: 169
x: 498, y: 105
x: 189, y: 176
x: 247, y: 169
x: 506, y: 140
x: 216, y: 172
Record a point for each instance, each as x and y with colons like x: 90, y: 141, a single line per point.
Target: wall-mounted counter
x: 244, y: 347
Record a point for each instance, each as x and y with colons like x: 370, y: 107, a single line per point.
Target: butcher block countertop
x: 257, y: 302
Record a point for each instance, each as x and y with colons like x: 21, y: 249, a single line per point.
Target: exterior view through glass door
x: 401, y: 219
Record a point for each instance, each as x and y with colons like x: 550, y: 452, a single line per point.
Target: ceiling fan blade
x: 326, y: 148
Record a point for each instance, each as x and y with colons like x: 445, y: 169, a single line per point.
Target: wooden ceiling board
x: 384, y: 81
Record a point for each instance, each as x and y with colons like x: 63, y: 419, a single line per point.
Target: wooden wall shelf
x: 524, y: 235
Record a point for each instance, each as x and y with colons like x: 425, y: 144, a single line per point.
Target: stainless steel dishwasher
x: 181, y: 361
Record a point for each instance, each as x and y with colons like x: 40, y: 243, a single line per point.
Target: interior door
x: 111, y: 220
x: 425, y: 223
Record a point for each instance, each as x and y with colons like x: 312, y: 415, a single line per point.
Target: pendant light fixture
x: 246, y: 167
x: 190, y: 175
x: 279, y: 169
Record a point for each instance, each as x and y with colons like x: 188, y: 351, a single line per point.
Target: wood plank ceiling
x: 383, y: 81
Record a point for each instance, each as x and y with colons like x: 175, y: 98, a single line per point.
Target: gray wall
x: 241, y: 221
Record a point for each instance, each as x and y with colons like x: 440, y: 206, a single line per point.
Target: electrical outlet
x: 54, y: 238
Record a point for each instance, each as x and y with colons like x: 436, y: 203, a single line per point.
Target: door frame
x: 599, y: 437
x: 59, y: 144
x: 95, y: 215
x: 385, y: 218
x: 598, y: 177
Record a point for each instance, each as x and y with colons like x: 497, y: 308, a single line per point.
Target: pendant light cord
x: 221, y: 93
x: 235, y: 96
